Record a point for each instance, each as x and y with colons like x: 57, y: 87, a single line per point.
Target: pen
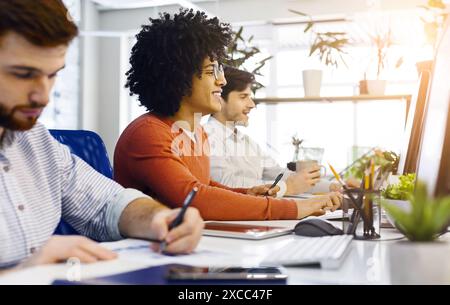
x: 338, y: 178
x: 179, y: 219
x: 372, y: 173
x: 277, y: 179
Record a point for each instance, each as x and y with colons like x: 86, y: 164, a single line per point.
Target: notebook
x: 244, y: 231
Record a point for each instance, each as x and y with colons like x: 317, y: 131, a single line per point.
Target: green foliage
x: 382, y: 40
x: 240, y: 50
x: 401, y: 190
x: 387, y: 160
x: 427, y: 218
x: 435, y: 14
x: 329, y: 46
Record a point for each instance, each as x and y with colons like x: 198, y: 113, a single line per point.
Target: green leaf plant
x: 329, y: 46
x: 240, y: 51
x: 387, y: 160
x: 401, y: 190
x: 427, y: 218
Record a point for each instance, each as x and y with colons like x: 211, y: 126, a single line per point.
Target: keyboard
x: 328, y: 251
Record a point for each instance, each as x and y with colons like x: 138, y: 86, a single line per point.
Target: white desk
x: 369, y: 262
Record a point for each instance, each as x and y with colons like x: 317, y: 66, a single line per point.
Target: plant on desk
x: 296, y: 142
x: 401, y: 190
x: 426, y: 219
x: 387, y: 160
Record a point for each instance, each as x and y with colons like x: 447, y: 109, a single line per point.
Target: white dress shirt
x: 238, y: 161
x: 42, y: 182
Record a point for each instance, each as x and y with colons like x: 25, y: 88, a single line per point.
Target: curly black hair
x: 169, y: 52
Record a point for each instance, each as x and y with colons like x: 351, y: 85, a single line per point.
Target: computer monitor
x: 434, y: 153
x: 409, y: 150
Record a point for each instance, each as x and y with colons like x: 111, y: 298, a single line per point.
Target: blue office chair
x: 90, y: 147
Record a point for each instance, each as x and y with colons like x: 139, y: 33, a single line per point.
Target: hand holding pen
x: 180, y: 226
x: 277, y: 179
x: 265, y: 189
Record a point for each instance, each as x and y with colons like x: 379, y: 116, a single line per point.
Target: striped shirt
x: 42, y: 182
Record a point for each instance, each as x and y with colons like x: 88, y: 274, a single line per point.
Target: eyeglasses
x: 218, y: 71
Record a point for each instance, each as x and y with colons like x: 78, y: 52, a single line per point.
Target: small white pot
x: 376, y: 87
x: 418, y: 263
x: 402, y: 204
x: 312, y: 80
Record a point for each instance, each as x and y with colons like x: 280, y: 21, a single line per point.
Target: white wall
x: 105, y: 59
x: 89, y: 58
x: 112, y: 100
x: 239, y: 11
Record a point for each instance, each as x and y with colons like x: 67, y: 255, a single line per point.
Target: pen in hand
x: 179, y: 219
x: 277, y: 179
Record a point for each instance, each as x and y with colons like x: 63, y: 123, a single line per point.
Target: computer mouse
x: 315, y: 227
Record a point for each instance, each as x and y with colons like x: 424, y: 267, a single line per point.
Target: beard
x: 10, y: 120
x: 241, y: 123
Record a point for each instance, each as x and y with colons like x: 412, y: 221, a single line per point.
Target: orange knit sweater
x: 162, y: 161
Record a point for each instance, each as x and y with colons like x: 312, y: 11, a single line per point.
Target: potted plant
x: 382, y: 41
x: 296, y: 142
x: 329, y: 46
x: 240, y: 50
x: 402, y: 189
x: 398, y: 193
x: 387, y: 160
x: 426, y: 218
x: 433, y: 19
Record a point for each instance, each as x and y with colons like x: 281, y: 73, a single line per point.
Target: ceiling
x: 130, y: 4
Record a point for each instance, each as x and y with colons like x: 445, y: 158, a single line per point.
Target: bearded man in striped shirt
x: 40, y: 180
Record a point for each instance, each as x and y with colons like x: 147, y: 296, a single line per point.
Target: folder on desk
x: 148, y: 276
x: 158, y: 275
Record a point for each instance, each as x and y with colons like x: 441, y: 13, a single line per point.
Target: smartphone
x: 183, y: 272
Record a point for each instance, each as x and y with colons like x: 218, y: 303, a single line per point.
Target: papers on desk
x: 140, y: 251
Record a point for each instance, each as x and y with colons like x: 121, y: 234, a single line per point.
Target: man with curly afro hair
x: 177, y: 76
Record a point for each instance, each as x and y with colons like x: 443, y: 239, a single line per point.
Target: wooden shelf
x: 330, y: 99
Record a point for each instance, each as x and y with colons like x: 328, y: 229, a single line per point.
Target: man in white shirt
x: 237, y: 160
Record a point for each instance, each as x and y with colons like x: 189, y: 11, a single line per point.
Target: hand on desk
x: 182, y: 239
x: 350, y: 182
x: 261, y: 190
x: 61, y: 248
x: 303, y: 180
x: 318, y: 205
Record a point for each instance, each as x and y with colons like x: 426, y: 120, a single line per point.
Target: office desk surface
x: 393, y: 261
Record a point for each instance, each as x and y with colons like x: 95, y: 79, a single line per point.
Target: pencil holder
x: 366, y: 207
